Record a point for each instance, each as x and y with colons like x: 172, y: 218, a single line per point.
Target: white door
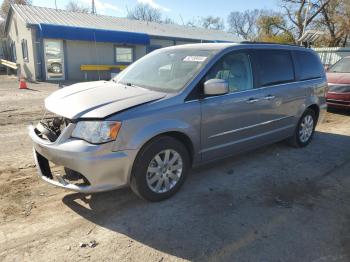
x: 54, y: 59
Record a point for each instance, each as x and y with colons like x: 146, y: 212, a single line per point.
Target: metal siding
x: 88, y: 53
x: 140, y: 51
x: 161, y: 42
x: 331, y: 55
x: 27, y: 68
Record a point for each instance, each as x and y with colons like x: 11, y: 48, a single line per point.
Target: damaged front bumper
x: 101, y: 168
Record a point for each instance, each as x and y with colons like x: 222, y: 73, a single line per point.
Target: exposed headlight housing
x: 97, y: 132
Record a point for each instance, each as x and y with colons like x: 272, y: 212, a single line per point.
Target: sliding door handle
x: 252, y: 100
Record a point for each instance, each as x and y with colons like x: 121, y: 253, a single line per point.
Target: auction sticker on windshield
x: 195, y: 58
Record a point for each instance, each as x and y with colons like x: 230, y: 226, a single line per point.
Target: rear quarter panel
x: 316, y: 95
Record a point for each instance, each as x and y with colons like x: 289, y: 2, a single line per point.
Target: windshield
x: 165, y: 70
x: 342, y: 66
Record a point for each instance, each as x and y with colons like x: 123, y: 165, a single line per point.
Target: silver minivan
x: 175, y: 108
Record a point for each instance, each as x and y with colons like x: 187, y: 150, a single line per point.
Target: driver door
x: 232, y: 122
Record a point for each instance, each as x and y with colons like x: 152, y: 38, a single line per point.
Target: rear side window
x: 308, y: 65
x: 274, y: 67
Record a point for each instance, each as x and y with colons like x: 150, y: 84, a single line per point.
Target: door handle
x: 252, y: 100
x: 269, y: 97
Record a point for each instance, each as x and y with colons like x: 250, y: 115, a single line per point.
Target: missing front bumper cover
x: 68, y: 176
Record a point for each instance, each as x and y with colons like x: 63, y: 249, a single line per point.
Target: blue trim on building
x: 92, y: 34
x: 65, y: 58
x: 40, y: 54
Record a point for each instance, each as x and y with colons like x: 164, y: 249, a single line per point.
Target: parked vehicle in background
x: 53, y: 58
x: 338, y: 77
x: 175, y: 108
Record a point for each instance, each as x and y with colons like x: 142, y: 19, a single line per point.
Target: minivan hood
x: 97, y: 99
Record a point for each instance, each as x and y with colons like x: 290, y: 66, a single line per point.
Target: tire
x: 149, y: 171
x: 56, y: 68
x: 297, y: 140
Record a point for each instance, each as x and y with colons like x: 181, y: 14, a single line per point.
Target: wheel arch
x: 315, y: 108
x: 178, y: 135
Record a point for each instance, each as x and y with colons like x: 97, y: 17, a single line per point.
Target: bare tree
x: 5, y: 6
x: 2, y: 27
x: 244, y: 24
x: 145, y: 12
x: 75, y: 6
x: 208, y: 22
x: 301, y: 13
x: 168, y: 20
x: 211, y: 22
x: 194, y: 22
x: 272, y: 27
x: 335, y: 19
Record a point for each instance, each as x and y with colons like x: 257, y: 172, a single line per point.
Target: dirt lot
x: 275, y: 204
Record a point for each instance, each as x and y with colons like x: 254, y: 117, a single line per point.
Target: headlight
x: 97, y: 132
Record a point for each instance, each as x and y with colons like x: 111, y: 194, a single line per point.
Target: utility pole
x: 306, y: 15
x: 93, y: 7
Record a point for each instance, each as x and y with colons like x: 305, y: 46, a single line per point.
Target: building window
x: 14, y: 54
x: 25, y: 50
x: 123, y: 54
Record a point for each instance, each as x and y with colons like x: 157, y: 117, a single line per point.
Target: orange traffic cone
x: 22, y: 83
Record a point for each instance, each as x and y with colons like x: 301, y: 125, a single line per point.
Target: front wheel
x: 305, y: 129
x: 160, y: 169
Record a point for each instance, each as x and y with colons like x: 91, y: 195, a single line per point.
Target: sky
x: 178, y: 10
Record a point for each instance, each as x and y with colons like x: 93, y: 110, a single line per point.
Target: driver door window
x: 235, y: 69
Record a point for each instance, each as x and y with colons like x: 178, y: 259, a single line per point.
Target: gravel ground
x: 274, y: 204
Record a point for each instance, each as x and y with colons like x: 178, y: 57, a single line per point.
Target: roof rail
x: 265, y: 43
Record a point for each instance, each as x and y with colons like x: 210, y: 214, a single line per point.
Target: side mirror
x: 216, y: 87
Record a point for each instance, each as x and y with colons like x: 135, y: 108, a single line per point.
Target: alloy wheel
x: 306, y: 128
x: 164, y: 171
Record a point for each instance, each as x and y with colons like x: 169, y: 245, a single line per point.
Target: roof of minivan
x: 208, y: 46
x: 222, y: 46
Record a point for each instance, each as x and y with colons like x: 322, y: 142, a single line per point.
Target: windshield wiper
x: 130, y: 84
x: 126, y: 84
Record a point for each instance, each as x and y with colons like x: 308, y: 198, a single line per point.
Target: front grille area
x: 50, y: 128
x: 338, y: 102
x: 60, y: 173
x: 339, y: 88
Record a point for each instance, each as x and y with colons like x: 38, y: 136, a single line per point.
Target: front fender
x: 138, y: 127
x: 154, y: 129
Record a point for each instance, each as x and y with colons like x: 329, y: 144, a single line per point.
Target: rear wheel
x: 160, y: 169
x: 305, y: 129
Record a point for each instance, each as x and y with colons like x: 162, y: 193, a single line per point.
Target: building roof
x: 34, y: 15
